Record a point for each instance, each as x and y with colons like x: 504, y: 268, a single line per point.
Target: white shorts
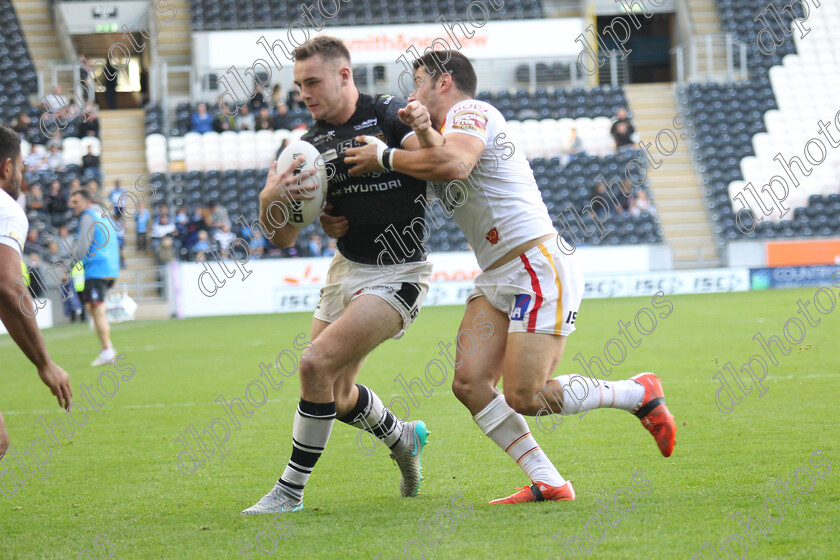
x: 404, y: 290
x: 540, y: 291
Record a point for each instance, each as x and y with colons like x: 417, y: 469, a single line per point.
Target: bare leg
x: 103, y: 329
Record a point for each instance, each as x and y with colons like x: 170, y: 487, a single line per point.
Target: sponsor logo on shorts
x: 492, y: 236
x: 375, y: 288
x: 520, y: 307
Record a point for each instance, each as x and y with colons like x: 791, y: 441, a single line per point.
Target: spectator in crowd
x: 142, y: 218
x: 162, y: 229
x: 264, y: 121
x: 93, y: 188
x: 199, y: 221
x: 116, y: 198
x: 86, y: 72
x: 281, y: 119
x: 329, y: 250
x: 625, y: 200
x: 573, y: 148
x: 225, y: 120
x: 65, y: 242
x: 258, y: 98
x: 600, y: 190
x: 90, y: 126
x: 90, y: 165
x: 21, y: 123
x: 72, y: 110
x: 641, y: 203
x: 181, y: 216
x: 70, y: 298
x: 257, y: 243
x: 55, y: 140
x: 110, y: 84
x: 55, y: 102
x: 37, y: 288
x: 277, y: 95
x: 166, y: 252
x: 294, y: 99
x: 35, y: 198
x: 223, y: 238
x: 201, y: 120
x: 314, y: 245
x: 218, y: 215
x: 119, y: 225
x: 55, y: 159
x: 75, y: 185
x: 245, y: 119
x: 622, y: 129
x: 203, y: 243
x: 53, y: 254
x: 160, y: 210
x: 36, y: 160
x: 33, y: 242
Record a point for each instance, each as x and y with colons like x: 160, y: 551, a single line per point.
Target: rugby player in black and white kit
x: 367, y: 299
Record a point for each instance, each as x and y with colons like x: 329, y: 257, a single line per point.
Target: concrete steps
x: 36, y: 19
x: 175, y: 46
x: 676, y: 187
x: 704, y: 16
x: 124, y: 158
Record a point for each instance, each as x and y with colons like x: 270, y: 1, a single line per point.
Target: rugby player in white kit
x: 531, y: 284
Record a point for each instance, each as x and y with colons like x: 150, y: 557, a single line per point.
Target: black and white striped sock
x: 311, y: 431
x: 370, y: 415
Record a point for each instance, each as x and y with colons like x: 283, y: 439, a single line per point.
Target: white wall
x: 282, y: 285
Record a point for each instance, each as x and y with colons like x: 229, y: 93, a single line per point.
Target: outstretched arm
x: 17, y: 311
x: 455, y: 159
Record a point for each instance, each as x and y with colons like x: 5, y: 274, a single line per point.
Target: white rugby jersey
x: 13, y: 223
x: 498, y: 206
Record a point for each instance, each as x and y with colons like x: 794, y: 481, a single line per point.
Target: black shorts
x: 96, y: 289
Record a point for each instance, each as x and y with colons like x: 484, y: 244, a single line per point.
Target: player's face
x: 320, y: 84
x: 427, y: 91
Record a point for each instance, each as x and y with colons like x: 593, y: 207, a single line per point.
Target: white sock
x: 509, y: 431
x: 310, y: 433
x: 370, y: 415
x: 579, y: 394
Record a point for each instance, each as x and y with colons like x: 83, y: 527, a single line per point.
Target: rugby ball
x: 301, y: 213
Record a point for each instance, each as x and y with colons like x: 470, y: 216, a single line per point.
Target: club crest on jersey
x: 492, y: 236
x: 520, y: 307
x: 326, y: 136
x: 21, y: 240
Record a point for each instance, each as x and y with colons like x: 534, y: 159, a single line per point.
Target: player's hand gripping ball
x: 306, y: 196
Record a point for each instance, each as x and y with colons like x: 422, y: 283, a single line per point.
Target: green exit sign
x: 106, y: 28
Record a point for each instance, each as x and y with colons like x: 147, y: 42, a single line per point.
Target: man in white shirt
x: 17, y: 310
x: 530, y: 287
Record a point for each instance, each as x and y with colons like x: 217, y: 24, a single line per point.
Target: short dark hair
x: 457, y: 65
x: 83, y: 193
x: 329, y: 48
x: 9, y: 144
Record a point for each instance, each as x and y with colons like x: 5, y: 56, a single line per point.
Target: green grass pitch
x: 118, y: 474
